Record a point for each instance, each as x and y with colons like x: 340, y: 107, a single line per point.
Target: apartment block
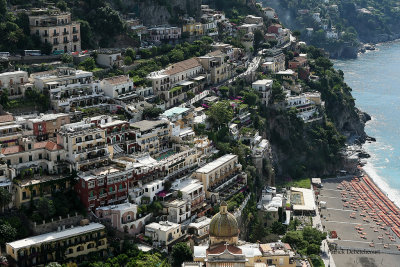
x: 57, y: 28
x: 77, y: 242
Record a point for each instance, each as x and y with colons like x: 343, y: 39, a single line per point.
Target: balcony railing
x: 75, y: 40
x: 65, y: 33
x: 56, y: 34
x: 66, y: 41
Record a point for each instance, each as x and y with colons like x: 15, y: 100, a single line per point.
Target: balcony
x: 66, y: 41
x: 92, y: 198
x: 56, y: 34
x: 75, y: 31
x: 66, y: 32
x: 45, y: 35
x: 75, y: 40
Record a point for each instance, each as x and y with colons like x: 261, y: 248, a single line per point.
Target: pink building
x: 123, y: 217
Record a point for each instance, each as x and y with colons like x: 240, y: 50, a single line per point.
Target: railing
x: 66, y: 41
x: 65, y: 33
x: 97, y: 147
x: 75, y: 39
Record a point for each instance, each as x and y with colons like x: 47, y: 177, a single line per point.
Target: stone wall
x: 55, y: 224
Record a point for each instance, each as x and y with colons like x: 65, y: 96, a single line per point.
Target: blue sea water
x: 375, y: 80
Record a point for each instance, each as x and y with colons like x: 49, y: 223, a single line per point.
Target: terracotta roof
x: 215, y: 53
x: 6, y: 118
x: 265, y: 248
x: 287, y: 246
x: 11, y: 150
x: 117, y: 79
x: 183, y: 66
x: 49, y: 145
x: 221, y: 248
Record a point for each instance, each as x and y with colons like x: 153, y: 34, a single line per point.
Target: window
x: 20, y: 160
x: 30, y: 157
x: 110, y: 189
x: 23, y: 195
x: 58, y: 158
x: 40, y: 156
x: 8, y: 162
x: 29, y: 146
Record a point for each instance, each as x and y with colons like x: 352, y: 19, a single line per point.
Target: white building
x: 269, y: 13
x: 178, y: 210
x: 200, y: 227
x: 332, y: 34
x: 69, y: 88
x: 192, y: 191
x: 164, y: 233
x: 316, y: 17
x: 117, y: 86
x: 16, y: 82
x: 264, y: 87
x: 109, y: 59
x: 151, y: 189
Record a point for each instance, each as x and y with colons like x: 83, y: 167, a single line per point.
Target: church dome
x: 223, y: 224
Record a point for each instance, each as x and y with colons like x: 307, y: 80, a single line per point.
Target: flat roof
x: 263, y: 82
x: 201, y: 223
x: 146, y: 125
x: 216, y: 163
x: 175, y: 111
x: 162, y: 226
x: 308, y: 202
x: 54, y: 236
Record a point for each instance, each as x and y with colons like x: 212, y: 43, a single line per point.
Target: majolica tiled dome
x: 223, y: 224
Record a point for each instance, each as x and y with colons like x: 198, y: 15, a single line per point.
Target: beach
x: 366, y: 222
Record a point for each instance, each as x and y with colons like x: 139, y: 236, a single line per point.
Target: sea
x: 375, y: 79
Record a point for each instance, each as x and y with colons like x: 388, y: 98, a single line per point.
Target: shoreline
x: 383, y: 186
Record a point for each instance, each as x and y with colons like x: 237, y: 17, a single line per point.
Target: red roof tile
x: 221, y: 248
x: 11, y: 150
x: 49, y: 145
x: 6, y: 118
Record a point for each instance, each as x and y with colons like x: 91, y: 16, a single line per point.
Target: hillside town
x: 102, y: 149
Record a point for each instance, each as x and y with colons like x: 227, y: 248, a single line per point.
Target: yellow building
x: 193, y: 28
x: 56, y: 28
x: 36, y: 187
x: 152, y: 136
x: 222, y: 177
x: 69, y: 245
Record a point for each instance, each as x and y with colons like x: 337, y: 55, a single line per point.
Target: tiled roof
x: 215, y: 53
x: 183, y: 66
x: 11, y: 150
x: 117, y: 79
x: 6, y: 118
x: 49, y: 145
x: 221, y: 248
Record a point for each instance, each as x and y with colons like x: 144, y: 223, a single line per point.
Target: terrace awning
x: 186, y: 83
x: 199, y: 78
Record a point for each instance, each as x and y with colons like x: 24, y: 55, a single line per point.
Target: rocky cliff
x: 158, y: 12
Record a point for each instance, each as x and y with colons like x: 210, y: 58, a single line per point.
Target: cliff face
x: 158, y: 12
